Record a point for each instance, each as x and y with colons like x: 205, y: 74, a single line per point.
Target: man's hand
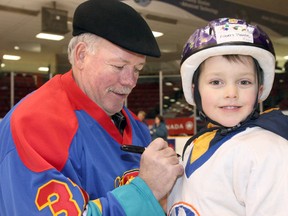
x: 159, y: 167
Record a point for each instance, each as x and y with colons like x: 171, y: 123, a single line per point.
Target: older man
x: 60, y: 146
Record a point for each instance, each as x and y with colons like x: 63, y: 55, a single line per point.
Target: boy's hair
x: 236, y: 58
x: 258, y: 69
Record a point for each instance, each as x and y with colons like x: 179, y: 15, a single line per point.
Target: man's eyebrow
x: 126, y: 61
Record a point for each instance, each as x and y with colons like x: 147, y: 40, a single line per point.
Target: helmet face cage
x: 227, y: 36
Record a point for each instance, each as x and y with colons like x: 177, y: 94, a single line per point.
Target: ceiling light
x: 2, y: 65
x: 11, y: 57
x: 48, y: 36
x: 157, y: 34
x: 172, y: 100
x: 44, y: 69
x: 286, y: 57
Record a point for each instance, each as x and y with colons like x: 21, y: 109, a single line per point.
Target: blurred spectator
x: 159, y: 128
x: 141, y: 116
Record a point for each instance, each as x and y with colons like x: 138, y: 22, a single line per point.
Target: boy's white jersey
x: 244, y: 175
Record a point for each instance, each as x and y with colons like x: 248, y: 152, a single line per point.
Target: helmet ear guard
x: 227, y: 36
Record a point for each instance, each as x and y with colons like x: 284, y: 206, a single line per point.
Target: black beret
x: 118, y: 23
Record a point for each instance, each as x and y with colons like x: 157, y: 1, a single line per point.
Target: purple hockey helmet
x: 227, y: 36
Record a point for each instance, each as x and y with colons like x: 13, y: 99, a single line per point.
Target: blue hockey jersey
x: 60, y: 152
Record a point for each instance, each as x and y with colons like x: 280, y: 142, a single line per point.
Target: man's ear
x: 79, y: 54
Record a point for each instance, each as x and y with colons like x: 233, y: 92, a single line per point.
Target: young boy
x: 238, y: 165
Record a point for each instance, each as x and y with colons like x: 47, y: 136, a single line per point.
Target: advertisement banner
x: 211, y: 9
x: 177, y: 126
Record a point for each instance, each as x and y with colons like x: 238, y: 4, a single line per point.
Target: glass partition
x: 155, y: 94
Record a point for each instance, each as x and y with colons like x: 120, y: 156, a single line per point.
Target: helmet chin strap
x: 224, y: 130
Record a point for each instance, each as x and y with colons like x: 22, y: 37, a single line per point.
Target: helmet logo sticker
x: 230, y: 32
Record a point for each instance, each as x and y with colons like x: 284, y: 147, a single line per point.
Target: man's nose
x: 129, y: 77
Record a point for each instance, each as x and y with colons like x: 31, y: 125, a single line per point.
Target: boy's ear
x: 260, y: 92
x: 192, y: 89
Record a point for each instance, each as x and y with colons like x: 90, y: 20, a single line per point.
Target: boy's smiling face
x: 228, y: 89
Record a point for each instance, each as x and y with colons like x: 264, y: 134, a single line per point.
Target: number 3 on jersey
x: 57, y: 196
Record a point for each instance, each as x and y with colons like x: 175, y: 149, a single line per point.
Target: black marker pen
x: 136, y: 149
x: 133, y: 149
